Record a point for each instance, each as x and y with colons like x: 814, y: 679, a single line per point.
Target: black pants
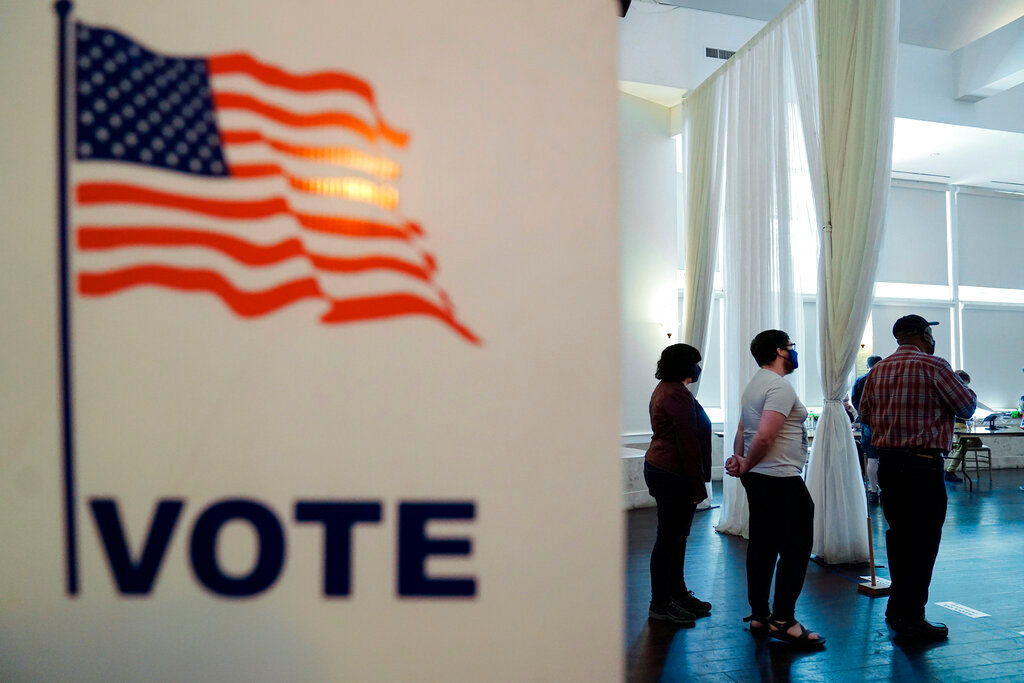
x: 675, y: 515
x: 915, y: 508
x: 781, y: 530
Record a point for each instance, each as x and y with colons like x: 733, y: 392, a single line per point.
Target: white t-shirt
x: 788, y: 455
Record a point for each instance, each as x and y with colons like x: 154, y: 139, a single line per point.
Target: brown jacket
x: 681, y: 443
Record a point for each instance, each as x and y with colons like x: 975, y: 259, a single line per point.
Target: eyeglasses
x: 790, y: 346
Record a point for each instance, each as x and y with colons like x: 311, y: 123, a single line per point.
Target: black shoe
x: 691, y: 603
x: 951, y: 476
x: 919, y: 628
x: 671, y: 612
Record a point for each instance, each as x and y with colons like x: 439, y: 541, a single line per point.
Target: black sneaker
x: 951, y: 476
x: 671, y: 612
x: 691, y: 603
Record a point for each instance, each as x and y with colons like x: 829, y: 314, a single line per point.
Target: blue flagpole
x: 63, y: 9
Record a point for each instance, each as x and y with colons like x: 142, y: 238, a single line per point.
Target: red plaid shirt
x: 911, y: 399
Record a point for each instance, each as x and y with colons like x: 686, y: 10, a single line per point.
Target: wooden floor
x: 980, y: 566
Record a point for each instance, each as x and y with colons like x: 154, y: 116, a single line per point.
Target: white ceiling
x: 958, y: 155
x: 922, y: 150
x: 659, y: 94
x: 941, y: 24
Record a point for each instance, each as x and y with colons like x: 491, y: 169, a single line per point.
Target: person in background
x: 676, y: 467
x: 911, y: 399
x: 770, y: 451
x: 960, y: 443
x: 870, y: 454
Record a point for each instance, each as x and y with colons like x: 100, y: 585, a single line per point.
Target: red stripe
x: 92, y: 238
x: 240, y: 62
x: 232, y: 100
x: 90, y: 193
x: 321, y: 81
x: 245, y: 304
x: 338, y: 264
x: 255, y: 170
x: 241, y: 137
x: 393, y: 305
x: 121, y: 193
x: 254, y: 304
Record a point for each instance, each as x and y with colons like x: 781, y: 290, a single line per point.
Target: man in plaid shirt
x: 910, y: 400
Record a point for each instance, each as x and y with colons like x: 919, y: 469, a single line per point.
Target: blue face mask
x: 695, y: 373
x: 794, y: 359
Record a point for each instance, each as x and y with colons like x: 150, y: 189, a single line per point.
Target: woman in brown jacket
x: 677, y: 464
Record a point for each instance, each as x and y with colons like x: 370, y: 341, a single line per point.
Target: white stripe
x: 254, y: 279
x: 316, y: 136
x: 261, y: 232
x: 298, y: 102
x: 962, y: 609
x: 205, y: 187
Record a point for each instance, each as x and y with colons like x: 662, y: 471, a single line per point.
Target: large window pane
x: 993, y: 354
x: 809, y: 360
x: 914, y: 238
x: 710, y: 394
x: 991, y: 233
x: 884, y: 315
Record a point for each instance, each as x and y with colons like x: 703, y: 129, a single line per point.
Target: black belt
x: 925, y: 453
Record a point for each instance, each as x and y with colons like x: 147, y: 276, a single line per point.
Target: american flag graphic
x: 226, y: 176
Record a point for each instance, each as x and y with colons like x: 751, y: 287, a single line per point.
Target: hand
x: 734, y: 466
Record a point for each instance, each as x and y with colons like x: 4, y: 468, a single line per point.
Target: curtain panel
x: 808, y: 100
x: 856, y: 49
x: 760, y: 105
x: 702, y: 190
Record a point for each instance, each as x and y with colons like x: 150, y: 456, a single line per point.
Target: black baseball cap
x: 910, y: 324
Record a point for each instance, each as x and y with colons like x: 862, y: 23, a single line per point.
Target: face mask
x: 695, y: 372
x: 931, y: 344
x: 794, y: 359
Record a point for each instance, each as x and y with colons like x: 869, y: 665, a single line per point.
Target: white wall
x: 647, y: 207
x: 926, y: 90
x: 665, y: 46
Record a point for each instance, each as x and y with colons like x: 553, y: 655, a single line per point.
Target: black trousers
x: 782, y: 532
x: 675, y: 515
x: 915, y: 509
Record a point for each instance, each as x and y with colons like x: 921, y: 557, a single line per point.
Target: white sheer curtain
x: 759, y: 102
x: 857, y: 41
x: 703, y: 203
x: 808, y: 100
x: 703, y: 195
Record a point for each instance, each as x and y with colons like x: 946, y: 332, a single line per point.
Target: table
x: 995, y: 436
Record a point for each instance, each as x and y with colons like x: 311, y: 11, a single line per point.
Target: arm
x: 858, y: 392
x: 688, y: 445
x: 864, y: 408
x: 737, y: 443
x: 683, y: 410
x: 767, y: 431
x: 960, y: 399
x: 732, y: 463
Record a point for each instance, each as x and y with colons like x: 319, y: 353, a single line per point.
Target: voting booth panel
x: 311, y: 355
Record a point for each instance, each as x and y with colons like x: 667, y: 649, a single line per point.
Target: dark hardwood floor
x: 980, y: 566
